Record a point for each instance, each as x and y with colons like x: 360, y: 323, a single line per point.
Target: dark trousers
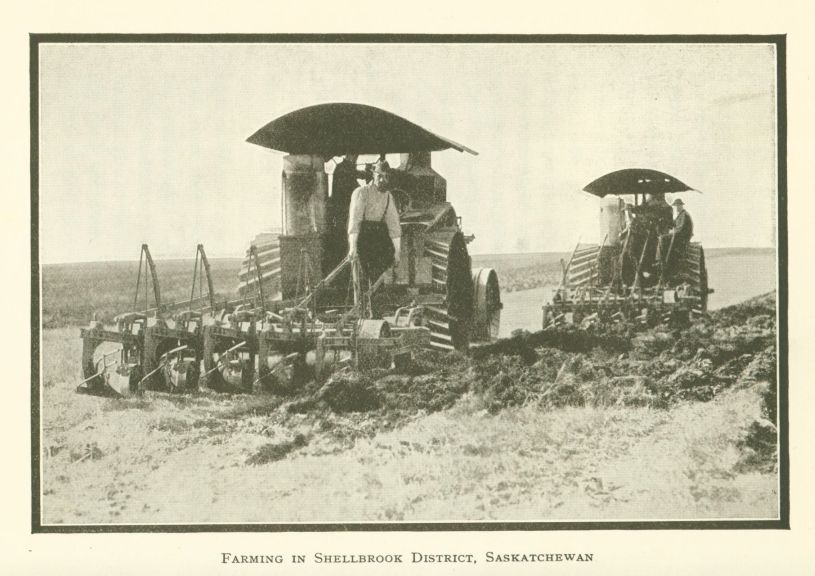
x: 670, y: 253
x: 375, y: 249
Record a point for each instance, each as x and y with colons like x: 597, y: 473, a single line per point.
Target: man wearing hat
x: 672, y: 245
x: 374, y: 233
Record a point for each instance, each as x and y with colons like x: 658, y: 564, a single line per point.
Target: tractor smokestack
x: 304, y: 194
x: 612, y: 219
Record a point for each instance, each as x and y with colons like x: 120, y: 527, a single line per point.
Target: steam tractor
x: 297, y: 315
x: 625, y: 278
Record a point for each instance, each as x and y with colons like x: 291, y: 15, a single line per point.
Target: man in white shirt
x: 374, y: 232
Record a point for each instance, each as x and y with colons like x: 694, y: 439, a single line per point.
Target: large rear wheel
x: 449, y: 322
x: 486, y: 304
x: 694, y: 273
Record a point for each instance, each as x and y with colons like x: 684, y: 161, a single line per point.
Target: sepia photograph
x: 383, y: 282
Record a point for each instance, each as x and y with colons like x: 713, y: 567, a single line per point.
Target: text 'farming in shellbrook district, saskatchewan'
x: 413, y: 558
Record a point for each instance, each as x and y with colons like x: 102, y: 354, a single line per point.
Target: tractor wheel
x: 268, y: 249
x: 583, y: 269
x: 449, y: 322
x: 486, y: 304
x: 703, y: 285
x: 694, y: 272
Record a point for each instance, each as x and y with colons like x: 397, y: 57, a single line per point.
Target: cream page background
x: 615, y: 552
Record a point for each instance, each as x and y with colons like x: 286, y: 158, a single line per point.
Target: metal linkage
x: 162, y: 363
x: 142, y: 335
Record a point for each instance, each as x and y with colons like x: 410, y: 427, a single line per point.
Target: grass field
x: 108, y: 288
x: 73, y: 293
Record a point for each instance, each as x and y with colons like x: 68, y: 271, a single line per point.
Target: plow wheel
x: 486, y: 304
x: 583, y: 268
x: 232, y: 374
x: 694, y: 272
x: 225, y: 371
x: 182, y: 374
x: 282, y: 374
x: 368, y: 353
x: 449, y: 322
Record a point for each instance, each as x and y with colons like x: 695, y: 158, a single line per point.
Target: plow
x: 244, y: 345
x: 303, y: 309
x: 157, y: 347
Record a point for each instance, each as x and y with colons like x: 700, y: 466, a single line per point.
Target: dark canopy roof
x: 636, y: 181
x: 336, y: 129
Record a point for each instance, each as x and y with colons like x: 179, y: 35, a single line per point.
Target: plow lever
x: 223, y: 357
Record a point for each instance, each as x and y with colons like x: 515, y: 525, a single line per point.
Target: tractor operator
x: 374, y: 232
x: 655, y: 216
x: 655, y: 213
x: 672, y: 245
x: 660, y: 211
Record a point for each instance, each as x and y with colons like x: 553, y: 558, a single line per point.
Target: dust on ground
x: 572, y: 424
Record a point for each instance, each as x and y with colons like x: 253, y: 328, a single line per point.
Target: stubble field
x: 580, y: 426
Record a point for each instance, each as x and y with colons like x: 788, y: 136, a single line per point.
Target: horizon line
x: 171, y: 257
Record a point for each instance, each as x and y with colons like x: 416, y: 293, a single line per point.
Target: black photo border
x: 779, y: 41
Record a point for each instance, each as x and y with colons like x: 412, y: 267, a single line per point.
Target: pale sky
x: 147, y: 142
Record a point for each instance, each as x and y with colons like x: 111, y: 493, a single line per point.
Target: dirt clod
x: 276, y: 451
x: 350, y: 392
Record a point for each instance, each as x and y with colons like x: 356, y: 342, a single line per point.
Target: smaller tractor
x: 639, y: 273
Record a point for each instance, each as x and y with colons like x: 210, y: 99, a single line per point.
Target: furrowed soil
x: 574, y: 424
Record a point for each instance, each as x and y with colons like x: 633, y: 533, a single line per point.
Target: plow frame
x: 233, y: 342
x: 648, y: 306
x: 95, y: 380
x: 153, y: 355
x: 238, y: 346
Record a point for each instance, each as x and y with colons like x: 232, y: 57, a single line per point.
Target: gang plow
x: 252, y: 344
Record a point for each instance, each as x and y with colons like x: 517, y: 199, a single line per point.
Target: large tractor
x: 637, y: 273
x: 455, y: 302
x: 301, y: 312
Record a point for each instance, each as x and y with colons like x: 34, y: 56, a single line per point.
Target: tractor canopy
x: 336, y: 129
x: 636, y: 181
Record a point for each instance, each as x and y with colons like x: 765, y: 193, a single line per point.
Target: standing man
x: 677, y: 240
x: 374, y: 233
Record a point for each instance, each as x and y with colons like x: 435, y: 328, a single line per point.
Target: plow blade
x: 102, y: 389
x: 111, y: 383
